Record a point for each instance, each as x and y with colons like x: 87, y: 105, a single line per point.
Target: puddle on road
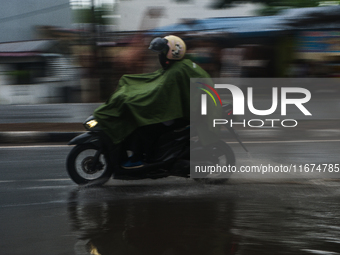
x: 200, y: 219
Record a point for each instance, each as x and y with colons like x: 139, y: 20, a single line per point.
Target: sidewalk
x: 61, y: 133
x: 24, y: 133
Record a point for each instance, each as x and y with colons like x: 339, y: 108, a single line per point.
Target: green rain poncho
x: 144, y: 99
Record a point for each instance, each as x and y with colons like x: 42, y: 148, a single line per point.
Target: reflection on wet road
x: 195, y: 219
x: 43, y: 212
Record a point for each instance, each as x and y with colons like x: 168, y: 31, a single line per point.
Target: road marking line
x: 37, y: 180
x: 32, y: 204
x: 295, y: 141
x: 33, y: 146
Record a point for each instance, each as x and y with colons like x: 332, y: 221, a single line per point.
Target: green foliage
x: 91, y: 16
x: 20, y: 76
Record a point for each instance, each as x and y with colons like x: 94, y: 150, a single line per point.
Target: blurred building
x: 20, y: 17
x: 141, y: 15
x: 35, y: 71
x: 295, y: 43
x: 85, y: 64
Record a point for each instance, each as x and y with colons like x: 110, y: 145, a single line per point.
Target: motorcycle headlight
x: 91, y: 124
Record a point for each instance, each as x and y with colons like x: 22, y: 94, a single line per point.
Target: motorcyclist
x: 147, y: 105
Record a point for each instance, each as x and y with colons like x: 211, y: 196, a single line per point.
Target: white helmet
x: 172, y: 46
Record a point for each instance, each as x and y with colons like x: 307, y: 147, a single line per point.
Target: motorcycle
x: 94, y: 158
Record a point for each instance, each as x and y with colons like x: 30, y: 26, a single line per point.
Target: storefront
x: 34, y: 72
x: 321, y: 50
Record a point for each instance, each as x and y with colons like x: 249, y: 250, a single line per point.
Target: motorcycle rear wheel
x: 223, y: 155
x: 79, y: 165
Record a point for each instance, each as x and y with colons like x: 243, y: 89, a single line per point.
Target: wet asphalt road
x: 43, y: 212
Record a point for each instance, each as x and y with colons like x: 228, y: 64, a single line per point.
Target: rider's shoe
x: 132, y: 165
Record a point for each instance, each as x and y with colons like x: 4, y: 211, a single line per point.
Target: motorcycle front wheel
x: 88, y: 164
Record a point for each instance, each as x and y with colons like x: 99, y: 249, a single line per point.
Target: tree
x: 92, y: 16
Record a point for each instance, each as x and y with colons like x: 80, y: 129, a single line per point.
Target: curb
x: 24, y: 137
x: 263, y: 134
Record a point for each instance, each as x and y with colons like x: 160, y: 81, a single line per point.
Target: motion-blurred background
x: 75, y: 51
